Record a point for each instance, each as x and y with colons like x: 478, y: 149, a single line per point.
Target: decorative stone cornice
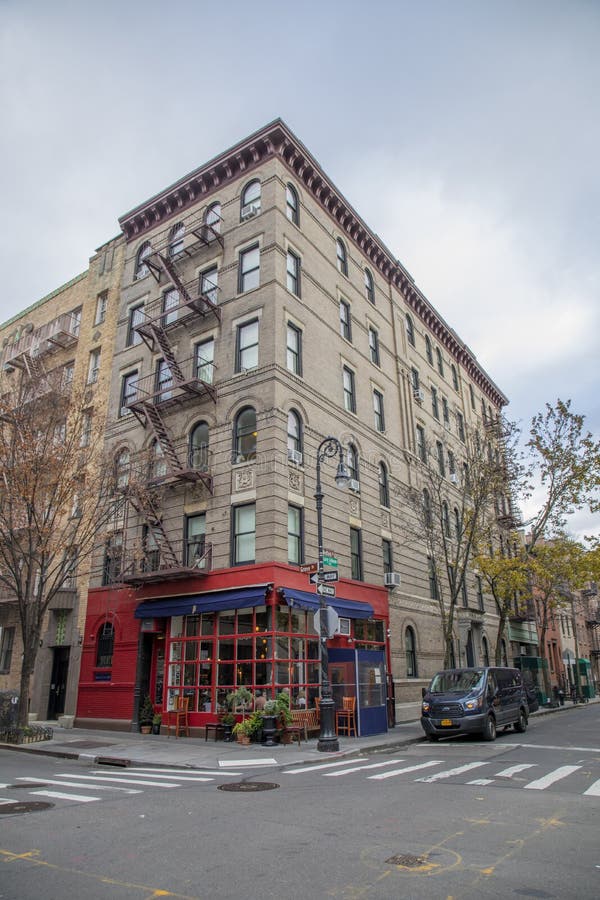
x: 276, y: 139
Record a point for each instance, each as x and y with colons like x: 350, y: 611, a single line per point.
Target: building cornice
x: 276, y: 140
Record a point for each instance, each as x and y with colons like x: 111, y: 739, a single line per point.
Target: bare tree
x: 56, y: 492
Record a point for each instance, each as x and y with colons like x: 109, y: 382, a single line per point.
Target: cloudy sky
x: 466, y: 134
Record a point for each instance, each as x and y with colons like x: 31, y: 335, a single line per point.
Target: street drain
x: 248, y: 786
x: 407, y: 860
x: 32, y: 806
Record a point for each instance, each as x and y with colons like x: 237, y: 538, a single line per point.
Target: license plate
x: 446, y: 722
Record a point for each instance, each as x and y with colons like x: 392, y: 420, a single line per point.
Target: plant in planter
x: 146, y: 715
x: 282, y: 711
x: 156, y: 720
x: 269, y: 722
x: 227, y: 721
x: 240, y: 700
x: 243, y: 731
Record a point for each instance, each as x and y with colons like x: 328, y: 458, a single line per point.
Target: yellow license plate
x: 446, y: 722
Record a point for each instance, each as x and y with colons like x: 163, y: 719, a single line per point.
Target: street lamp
x: 327, y: 738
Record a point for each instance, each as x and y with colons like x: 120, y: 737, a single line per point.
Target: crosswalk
x: 461, y: 774
x: 87, y: 788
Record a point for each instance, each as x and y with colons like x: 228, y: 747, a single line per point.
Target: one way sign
x: 316, y: 577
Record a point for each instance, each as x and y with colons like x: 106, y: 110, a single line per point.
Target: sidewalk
x: 132, y: 749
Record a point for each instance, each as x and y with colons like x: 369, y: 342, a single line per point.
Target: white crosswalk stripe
x: 594, y: 789
x: 57, y: 795
x: 79, y: 784
x: 514, y: 770
x: 301, y: 769
x: 551, y: 778
x: 379, y: 765
x: 415, y: 768
x: 449, y: 773
x: 165, y: 784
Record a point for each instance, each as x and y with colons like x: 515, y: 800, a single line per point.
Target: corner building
x: 258, y: 316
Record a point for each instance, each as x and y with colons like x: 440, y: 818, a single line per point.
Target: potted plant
x: 228, y: 721
x: 284, y: 716
x: 269, y: 722
x: 156, y: 720
x: 146, y: 715
x: 243, y: 731
x: 240, y: 699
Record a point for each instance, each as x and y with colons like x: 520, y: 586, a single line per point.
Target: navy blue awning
x: 212, y: 601
x: 350, y: 609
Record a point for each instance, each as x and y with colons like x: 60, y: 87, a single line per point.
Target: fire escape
x: 174, y: 384
x: 31, y: 349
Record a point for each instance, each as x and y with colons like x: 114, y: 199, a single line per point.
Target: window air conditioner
x: 392, y: 579
x: 295, y: 456
x: 418, y: 394
x: 453, y: 477
x: 354, y: 485
x: 250, y: 210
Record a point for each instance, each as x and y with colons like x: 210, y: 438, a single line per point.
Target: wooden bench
x: 307, y: 720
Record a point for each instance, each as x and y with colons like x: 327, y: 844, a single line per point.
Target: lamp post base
x: 328, y: 741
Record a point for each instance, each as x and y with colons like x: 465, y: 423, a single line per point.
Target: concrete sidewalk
x: 132, y: 749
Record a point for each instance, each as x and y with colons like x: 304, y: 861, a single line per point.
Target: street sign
x: 325, y: 590
x: 330, y: 560
x: 317, y: 577
x: 333, y: 621
x: 308, y: 568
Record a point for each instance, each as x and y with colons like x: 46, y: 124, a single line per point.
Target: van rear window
x: 457, y: 681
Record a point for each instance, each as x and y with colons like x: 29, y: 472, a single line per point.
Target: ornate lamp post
x: 327, y: 738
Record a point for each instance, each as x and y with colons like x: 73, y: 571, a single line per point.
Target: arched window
x: 250, y: 200
x: 440, y: 361
x: 342, y: 257
x: 410, y: 648
x: 158, y: 463
x: 176, y: 239
x: 212, y: 219
x: 446, y: 519
x: 292, y: 207
x: 384, y: 488
x: 369, y: 286
x: 199, y: 447
x: 122, y: 461
x: 105, y: 645
x: 244, y: 435
x: 454, y: 377
x: 141, y: 268
x: 485, y: 652
x: 410, y: 330
x: 457, y: 526
x: 352, y: 462
x: 427, y: 508
x: 294, y: 433
x: 428, y: 350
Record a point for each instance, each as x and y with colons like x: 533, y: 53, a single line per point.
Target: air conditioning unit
x: 295, y: 456
x: 453, y: 477
x: 419, y: 395
x: 392, y: 579
x: 354, y: 485
x: 250, y: 210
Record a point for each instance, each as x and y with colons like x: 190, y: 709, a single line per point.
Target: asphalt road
x: 457, y: 819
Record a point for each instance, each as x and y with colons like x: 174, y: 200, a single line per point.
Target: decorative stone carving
x: 355, y: 507
x: 295, y: 481
x: 386, y: 521
x: 243, y: 479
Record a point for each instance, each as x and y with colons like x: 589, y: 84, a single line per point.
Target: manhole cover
x: 408, y: 860
x: 248, y: 786
x: 32, y: 806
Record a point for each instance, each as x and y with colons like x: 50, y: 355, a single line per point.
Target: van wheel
x: 433, y: 737
x: 521, y: 723
x: 489, y: 732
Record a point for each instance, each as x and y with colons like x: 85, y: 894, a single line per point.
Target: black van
x: 474, y: 701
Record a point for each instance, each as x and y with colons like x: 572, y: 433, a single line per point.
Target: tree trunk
x: 499, y: 636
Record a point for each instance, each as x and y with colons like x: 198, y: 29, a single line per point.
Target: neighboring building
x: 259, y: 314
x: 72, y: 328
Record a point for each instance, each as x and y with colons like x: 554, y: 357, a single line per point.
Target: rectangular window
x: 94, y: 366
x: 434, y: 403
x: 345, y: 320
x: 433, y: 588
x: 101, y: 304
x: 294, y: 349
x: 445, y: 413
x: 451, y: 463
x: 195, y: 540
x: 295, y: 550
x: 113, y: 555
x: 164, y: 380
x: 205, y: 355
x: 75, y: 322
x: 249, y: 269
x: 293, y: 273
x: 378, y: 410
x: 136, y: 317
x: 464, y: 594
x: 244, y: 534
x: 460, y: 424
x: 170, y: 306
x: 479, y: 588
x: 7, y: 637
x: 86, y: 429
x: 374, y: 346
x: 128, y: 391
x: 421, y: 449
x: 349, y: 392
x: 388, y: 562
x: 440, y: 458
x: 246, y: 355
x: 209, y: 285
x: 414, y: 377
x: 68, y: 372
x: 472, y: 396
x: 356, y: 554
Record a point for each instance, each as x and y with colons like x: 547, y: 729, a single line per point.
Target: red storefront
x: 202, y: 638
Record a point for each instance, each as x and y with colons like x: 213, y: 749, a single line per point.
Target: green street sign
x: 330, y: 561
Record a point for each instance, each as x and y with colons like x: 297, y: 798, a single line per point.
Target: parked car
x: 474, y: 701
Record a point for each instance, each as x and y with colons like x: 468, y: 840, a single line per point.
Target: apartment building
x: 258, y: 315
x: 70, y: 330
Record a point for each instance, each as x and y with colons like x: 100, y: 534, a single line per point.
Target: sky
x: 466, y: 135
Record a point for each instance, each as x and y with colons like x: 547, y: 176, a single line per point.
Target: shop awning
x: 350, y: 609
x: 211, y: 601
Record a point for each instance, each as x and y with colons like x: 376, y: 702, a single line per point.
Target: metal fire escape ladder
x: 143, y: 503
x: 163, y: 437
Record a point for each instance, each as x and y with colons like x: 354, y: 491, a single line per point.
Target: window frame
x: 134, y: 337
x: 356, y: 565
x: 125, y: 393
x: 7, y: 642
x: 246, y: 202
x: 294, y: 439
x: 345, y: 320
x: 379, y: 410
x: 374, y: 346
x: 410, y: 652
x: 176, y: 238
x: 142, y: 270
x: 94, y: 370
x: 293, y: 274
x: 387, y: 552
x: 292, y: 209
x: 341, y: 257
x: 101, y: 307
x: 440, y: 361
x: 239, y: 435
x: 245, y: 274
x: 428, y: 350
x: 410, y: 330
x: 105, y: 641
x: 196, y: 540
x: 296, y: 536
x: 240, y: 350
x: 384, y: 485
x: 294, y: 352
x: 237, y: 536
x: 420, y: 444
x: 349, y: 393
x: 369, y: 286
